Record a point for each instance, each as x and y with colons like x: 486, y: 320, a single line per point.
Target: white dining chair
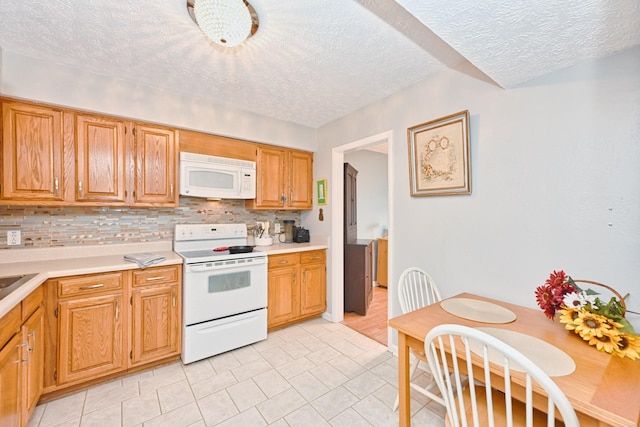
x: 497, y: 366
x: 416, y: 290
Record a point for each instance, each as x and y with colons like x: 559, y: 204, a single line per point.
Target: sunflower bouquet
x: 602, y: 324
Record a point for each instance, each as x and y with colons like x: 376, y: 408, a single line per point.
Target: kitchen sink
x: 11, y: 283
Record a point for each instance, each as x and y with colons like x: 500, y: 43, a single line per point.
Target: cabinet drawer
x: 155, y: 276
x: 313, y: 257
x: 9, y: 325
x: 284, y: 260
x: 89, y: 284
x: 32, y: 302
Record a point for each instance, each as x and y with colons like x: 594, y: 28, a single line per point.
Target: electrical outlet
x: 13, y: 237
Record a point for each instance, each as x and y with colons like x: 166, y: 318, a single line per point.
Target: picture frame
x: 321, y: 191
x: 439, y: 156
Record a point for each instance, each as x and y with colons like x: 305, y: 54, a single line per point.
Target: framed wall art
x: 321, y: 187
x: 439, y: 156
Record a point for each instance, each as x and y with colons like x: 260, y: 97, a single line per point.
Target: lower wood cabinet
x: 103, y: 324
x: 313, y: 295
x: 91, y: 339
x: 156, y: 315
x: 33, y: 362
x: 21, y: 360
x: 297, y: 287
x: 10, y: 381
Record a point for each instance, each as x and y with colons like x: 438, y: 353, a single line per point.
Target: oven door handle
x: 197, y: 268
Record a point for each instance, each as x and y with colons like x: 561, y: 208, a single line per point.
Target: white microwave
x: 217, y: 177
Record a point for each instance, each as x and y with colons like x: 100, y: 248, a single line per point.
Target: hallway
x: 374, y: 324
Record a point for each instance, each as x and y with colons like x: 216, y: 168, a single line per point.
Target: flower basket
x: 601, y: 323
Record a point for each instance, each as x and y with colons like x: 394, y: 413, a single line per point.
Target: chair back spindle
x: 496, y: 366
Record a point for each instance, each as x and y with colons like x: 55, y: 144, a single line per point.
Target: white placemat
x: 552, y: 360
x: 477, y: 310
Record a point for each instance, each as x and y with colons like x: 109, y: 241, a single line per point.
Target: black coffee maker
x: 300, y: 235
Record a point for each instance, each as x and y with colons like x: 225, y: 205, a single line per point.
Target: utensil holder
x: 264, y: 241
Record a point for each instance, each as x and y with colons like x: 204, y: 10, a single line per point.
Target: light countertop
x: 48, y: 263
x: 71, y: 261
x: 284, y: 248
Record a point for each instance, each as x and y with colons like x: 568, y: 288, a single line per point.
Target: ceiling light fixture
x: 225, y: 22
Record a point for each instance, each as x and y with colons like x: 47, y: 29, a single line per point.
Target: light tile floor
x: 316, y: 373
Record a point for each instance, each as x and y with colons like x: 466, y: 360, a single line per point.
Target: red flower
x: 545, y: 299
x: 549, y: 296
x: 557, y: 278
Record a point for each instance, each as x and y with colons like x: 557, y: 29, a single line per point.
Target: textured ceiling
x: 313, y: 61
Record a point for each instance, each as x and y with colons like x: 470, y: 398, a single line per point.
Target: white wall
x: 555, y: 181
x: 33, y: 79
x: 371, y: 192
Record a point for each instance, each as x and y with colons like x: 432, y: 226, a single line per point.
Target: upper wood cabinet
x: 156, y: 164
x: 52, y: 156
x: 300, y: 180
x: 32, y: 153
x: 270, y: 179
x: 216, y: 145
x: 100, y: 159
x: 284, y: 179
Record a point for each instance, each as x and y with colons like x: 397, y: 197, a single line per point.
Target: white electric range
x: 224, y: 297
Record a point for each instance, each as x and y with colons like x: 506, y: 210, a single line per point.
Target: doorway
x: 385, y: 140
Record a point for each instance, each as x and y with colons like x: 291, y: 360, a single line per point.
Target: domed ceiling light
x: 225, y: 22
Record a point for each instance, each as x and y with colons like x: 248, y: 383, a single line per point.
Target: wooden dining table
x: 603, y: 389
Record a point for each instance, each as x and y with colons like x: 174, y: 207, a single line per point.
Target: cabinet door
x: 383, y: 255
x: 32, y: 153
x: 155, y: 323
x: 100, y: 158
x: 270, y: 178
x: 91, y: 340
x: 314, y: 287
x: 33, y: 337
x: 284, y: 300
x: 300, y: 180
x: 10, y: 390
x: 350, y: 203
x: 155, y: 166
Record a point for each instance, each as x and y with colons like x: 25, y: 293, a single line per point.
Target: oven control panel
x: 209, y: 231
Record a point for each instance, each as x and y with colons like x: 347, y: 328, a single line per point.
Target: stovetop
x: 205, y: 255
x: 196, y: 242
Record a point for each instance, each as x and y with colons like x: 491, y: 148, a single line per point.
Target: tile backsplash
x: 50, y: 226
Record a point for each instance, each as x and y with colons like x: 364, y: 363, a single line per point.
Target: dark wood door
x: 350, y: 204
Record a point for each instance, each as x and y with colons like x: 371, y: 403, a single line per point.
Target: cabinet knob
x: 56, y: 186
x: 80, y: 188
